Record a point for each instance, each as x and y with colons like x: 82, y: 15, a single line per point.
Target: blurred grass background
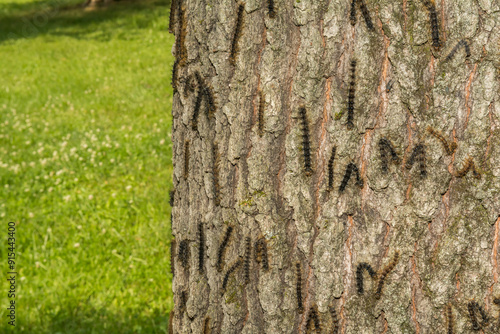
x: 85, y: 165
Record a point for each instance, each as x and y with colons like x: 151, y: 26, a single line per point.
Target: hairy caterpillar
x: 172, y: 258
x: 186, y: 159
x: 171, y: 196
x: 472, y: 307
x: 313, y: 318
x: 351, y: 167
x: 449, y: 319
x: 201, y: 248
x: 350, y: 96
x: 306, y: 142
x: 183, y: 253
x: 215, y: 173
x: 237, y: 34
x: 190, y: 85
x: 175, y: 70
x: 223, y: 246
x: 228, y: 273
x: 467, y: 166
x: 460, y: 43
x: 353, y: 17
x: 385, y: 272
x: 359, y: 275
x: 196, y: 110
x: 335, y: 320
x: 271, y: 9
x: 171, y: 322
x: 366, y: 14
x: 173, y: 13
x: 330, y: 168
x: 262, y: 104
x: 211, y: 105
x: 246, y: 263
x: 433, y: 18
x: 449, y: 148
x: 183, y: 302
x: 300, y: 304
x: 206, y: 326
x: 418, y: 154
x: 180, y: 44
x: 261, y: 253
x: 385, y: 146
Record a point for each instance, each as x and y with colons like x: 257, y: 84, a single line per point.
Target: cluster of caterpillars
x: 381, y: 277
x: 478, y: 317
x: 364, y: 12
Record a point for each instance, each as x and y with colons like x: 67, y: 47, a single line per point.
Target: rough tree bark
x: 242, y: 162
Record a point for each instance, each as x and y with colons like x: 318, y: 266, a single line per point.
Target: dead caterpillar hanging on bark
x: 261, y: 253
x: 180, y: 44
x: 246, y: 263
x: 271, y: 9
x: 172, y: 258
x: 460, y: 43
x: 300, y: 304
x: 186, y: 159
x: 330, y: 168
x: 262, y: 104
x: 223, y: 247
x: 359, y: 275
x: 228, y: 273
x: 206, y: 326
x: 353, y: 17
x: 467, y: 166
x: 474, y: 307
x: 335, y: 320
x: 201, y: 249
x: 366, y: 14
x: 385, y: 146
x: 183, y: 253
x: 433, y: 18
x: 385, y: 273
x: 313, y: 318
x: 173, y: 13
x: 449, y: 320
x: 306, y: 141
x: 351, y: 167
x: 449, y: 148
x: 418, y: 155
x: 237, y: 34
x: 350, y: 96
x: 215, y: 173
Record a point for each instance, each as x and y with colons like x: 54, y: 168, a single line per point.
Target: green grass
x: 85, y: 165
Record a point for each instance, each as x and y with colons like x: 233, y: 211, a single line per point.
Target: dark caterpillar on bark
x: 262, y: 105
x: 351, y: 167
x: 418, y: 155
x: 172, y: 258
x: 183, y: 253
x: 474, y: 307
x: 186, y: 159
x: 467, y: 166
x: 201, y: 249
x: 330, y: 168
x: 180, y: 44
x: 271, y: 9
x: 300, y: 304
x: 183, y: 303
x: 335, y: 320
x: 175, y: 70
x: 352, y: 16
x: 313, y: 319
x: 228, y: 273
x: 385, y: 146
x: 433, y: 18
x: 196, y: 110
x: 449, y: 148
x: 261, y: 253
x: 215, y: 173
x: 350, y: 97
x: 306, y: 141
x: 450, y: 321
x: 246, y: 263
x: 173, y: 14
x: 223, y: 247
x: 359, y: 275
x: 171, y: 196
x: 206, y: 326
x: 237, y: 34
x: 385, y: 273
x: 366, y: 14
x: 462, y: 43
x: 209, y: 97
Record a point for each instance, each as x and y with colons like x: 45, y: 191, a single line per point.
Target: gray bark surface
x: 446, y: 228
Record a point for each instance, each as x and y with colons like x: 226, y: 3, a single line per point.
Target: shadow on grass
x: 68, y: 17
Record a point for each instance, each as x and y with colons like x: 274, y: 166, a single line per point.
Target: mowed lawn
x: 85, y: 165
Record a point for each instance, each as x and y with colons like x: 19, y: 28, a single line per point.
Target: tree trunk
x: 259, y: 160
